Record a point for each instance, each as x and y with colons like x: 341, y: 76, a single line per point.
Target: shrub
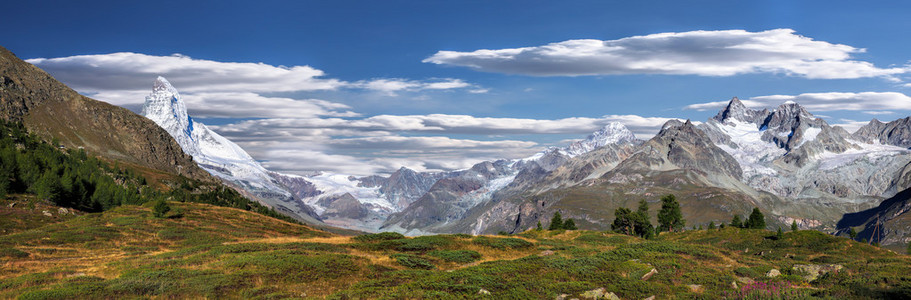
x: 412, y: 261
x: 13, y: 252
x: 456, y: 256
x: 382, y: 236
x: 160, y: 209
x: 502, y: 243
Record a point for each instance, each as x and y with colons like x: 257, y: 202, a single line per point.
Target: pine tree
x: 756, y: 220
x: 711, y: 225
x: 669, y: 217
x: 736, y: 222
x: 539, y: 228
x: 852, y: 233
x: 556, y: 223
x: 641, y: 223
x: 569, y: 224
x: 160, y: 209
x: 908, y: 251
x: 780, y: 235
x: 623, y: 222
x: 794, y: 225
x: 721, y: 226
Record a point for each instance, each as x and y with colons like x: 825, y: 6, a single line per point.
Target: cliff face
x: 52, y: 110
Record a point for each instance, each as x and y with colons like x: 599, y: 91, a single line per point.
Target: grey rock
x: 814, y: 271
x: 649, y: 274
x: 773, y: 273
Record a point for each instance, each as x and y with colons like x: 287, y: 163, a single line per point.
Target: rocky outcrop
x: 449, y: 198
x: 681, y: 147
x: 404, y: 186
x: 895, y: 133
x: 735, y: 110
x: 888, y: 224
x: 343, y: 206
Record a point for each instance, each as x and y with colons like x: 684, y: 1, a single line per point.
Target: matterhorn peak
x: 163, y: 85
x: 167, y: 109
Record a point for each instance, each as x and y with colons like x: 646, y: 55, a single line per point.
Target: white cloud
x: 393, y: 85
x: 422, y: 142
x: 850, y: 125
x: 705, y: 53
x: 136, y: 71
x: 125, y: 78
x: 460, y: 124
x: 833, y: 101
x: 880, y: 112
x: 251, y: 105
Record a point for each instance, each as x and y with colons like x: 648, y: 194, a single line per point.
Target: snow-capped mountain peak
x: 215, y: 153
x: 612, y: 133
x: 165, y: 107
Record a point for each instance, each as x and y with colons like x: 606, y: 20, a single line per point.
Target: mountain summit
x: 218, y: 155
x: 612, y: 133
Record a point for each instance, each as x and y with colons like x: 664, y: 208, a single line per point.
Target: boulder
x: 649, y: 274
x: 814, y: 271
x: 773, y: 273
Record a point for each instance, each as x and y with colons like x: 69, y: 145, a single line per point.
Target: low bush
x: 413, y: 261
x: 502, y: 243
x: 456, y: 256
x: 382, y: 236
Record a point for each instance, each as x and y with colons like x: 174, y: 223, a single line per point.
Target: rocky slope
x: 451, y: 204
x: 54, y: 111
x: 895, y: 133
x: 792, y: 154
x: 888, y: 224
x: 790, y: 164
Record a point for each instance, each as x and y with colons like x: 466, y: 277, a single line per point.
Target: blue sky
x: 367, y: 86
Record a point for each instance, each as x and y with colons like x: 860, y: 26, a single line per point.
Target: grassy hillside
x: 200, y: 250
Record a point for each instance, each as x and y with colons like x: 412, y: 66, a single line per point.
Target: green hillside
x: 199, y: 250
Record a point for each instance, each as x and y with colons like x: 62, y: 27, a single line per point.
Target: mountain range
x: 791, y: 165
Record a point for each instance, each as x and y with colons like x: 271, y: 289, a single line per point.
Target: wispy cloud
x: 124, y: 78
x: 457, y: 124
x: 850, y: 125
x: 705, y: 53
x: 420, y: 142
x: 833, y: 101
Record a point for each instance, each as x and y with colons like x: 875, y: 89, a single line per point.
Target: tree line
x: 72, y: 178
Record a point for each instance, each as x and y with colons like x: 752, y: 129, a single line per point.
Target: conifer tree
x: 711, y: 225
x: 641, y: 223
x: 736, y: 222
x: 669, y: 216
x: 160, y: 209
x: 569, y: 224
x: 539, y: 228
x: 556, y: 223
x: 623, y: 222
x: 756, y: 220
x: 794, y: 225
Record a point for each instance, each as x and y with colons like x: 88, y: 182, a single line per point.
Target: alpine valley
x: 791, y: 165
x: 101, y: 203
